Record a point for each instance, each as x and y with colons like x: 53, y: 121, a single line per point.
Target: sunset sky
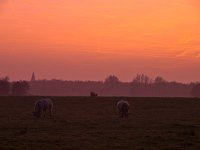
x: 91, y: 39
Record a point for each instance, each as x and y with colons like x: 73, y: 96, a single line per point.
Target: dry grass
x: 87, y: 123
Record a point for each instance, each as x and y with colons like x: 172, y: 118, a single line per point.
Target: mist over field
x: 141, y: 86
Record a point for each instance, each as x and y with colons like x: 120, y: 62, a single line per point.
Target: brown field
x: 87, y: 123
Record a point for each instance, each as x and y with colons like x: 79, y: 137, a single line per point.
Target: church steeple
x: 33, y: 77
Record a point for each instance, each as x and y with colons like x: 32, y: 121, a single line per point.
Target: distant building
x: 33, y: 77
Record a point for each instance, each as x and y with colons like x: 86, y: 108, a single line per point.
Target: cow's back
x: 43, y: 104
x: 122, y: 103
x: 123, y: 107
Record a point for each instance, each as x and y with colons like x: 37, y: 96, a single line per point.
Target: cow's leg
x: 127, y: 113
x: 51, y: 110
x: 39, y: 114
x: 120, y: 114
x: 44, y: 113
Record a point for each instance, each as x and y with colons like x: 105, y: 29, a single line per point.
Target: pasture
x: 92, y: 123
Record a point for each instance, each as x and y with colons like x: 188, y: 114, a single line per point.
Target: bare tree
x: 141, y: 85
x: 111, y: 80
x: 142, y: 79
x: 159, y: 79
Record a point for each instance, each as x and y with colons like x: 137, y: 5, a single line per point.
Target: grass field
x: 87, y: 123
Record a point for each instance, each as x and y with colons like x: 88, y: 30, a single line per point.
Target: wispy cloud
x: 181, y: 54
x: 189, y: 54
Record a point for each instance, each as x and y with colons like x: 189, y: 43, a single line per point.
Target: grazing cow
x: 41, y: 106
x: 93, y: 94
x: 123, y: 107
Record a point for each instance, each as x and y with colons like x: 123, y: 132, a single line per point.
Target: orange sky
x: 90, y: 39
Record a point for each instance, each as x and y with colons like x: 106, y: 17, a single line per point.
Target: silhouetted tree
x: 160, y: 86
x: 4, y: 86
x: 141, y: 85
x: 111, y: 80
x: 142, y: 79
x: 112, y: 85
x: 159, y: 79
x: 196, y: 91
x: 20, y: 88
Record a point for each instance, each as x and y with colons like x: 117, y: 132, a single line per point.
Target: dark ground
x: 92, y: 123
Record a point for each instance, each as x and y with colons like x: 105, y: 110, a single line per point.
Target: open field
x: 87, y: 123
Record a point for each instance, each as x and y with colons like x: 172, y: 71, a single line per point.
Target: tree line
x: 13, y: 88
x: 141, y: 86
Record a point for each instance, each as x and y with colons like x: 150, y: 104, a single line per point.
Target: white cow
x: 123, y: 107
x: 41, y: 106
